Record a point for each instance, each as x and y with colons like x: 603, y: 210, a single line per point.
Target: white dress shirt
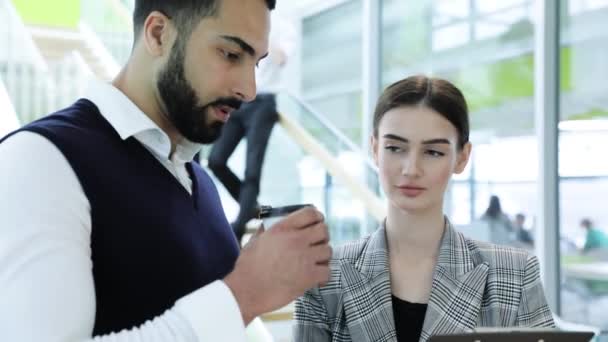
x: 47, y: 291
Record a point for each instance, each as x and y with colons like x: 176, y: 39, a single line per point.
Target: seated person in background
x: 595, y: 238
x: 416, y: 276
x: 522, y: 234
x: 499, y: 223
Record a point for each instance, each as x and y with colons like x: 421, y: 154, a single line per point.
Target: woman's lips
x: 411, y: 191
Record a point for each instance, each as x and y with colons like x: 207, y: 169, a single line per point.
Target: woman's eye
x: 231, y: 56
x: 392, y: 148
x: 435, y: 153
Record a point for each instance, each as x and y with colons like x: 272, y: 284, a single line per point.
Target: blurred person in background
x: 594, y: 237
x: 253, y: 121
x: 522, y: 234
x: 501, y: 231
x: 109, y: 231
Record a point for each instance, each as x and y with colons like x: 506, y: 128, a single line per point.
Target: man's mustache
x: 227, y: 101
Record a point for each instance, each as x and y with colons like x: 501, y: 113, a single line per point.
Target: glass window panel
x: 452, y: 8
x: 406, y: 34
x: 509, y: 23
x: 583, y: 168
x: 495, y: 72
x: 459, y: 206
x: 487, y: 29
x: 331, y: 47
x: 331, y: 66
x: 578, y: 6
x: 451, y: 36
x: 484, y: 6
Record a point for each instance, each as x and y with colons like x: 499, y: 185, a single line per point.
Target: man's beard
x: 182, y: 104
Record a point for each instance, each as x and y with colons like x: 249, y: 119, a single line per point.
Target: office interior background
x: 533, y: 71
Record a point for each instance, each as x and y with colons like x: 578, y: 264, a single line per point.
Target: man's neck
x: 140, y: 91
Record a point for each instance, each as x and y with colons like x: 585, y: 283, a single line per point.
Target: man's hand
x: 277, y: 266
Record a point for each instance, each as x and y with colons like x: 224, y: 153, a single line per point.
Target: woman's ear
x: 463, y: 158
x: 373, y: 143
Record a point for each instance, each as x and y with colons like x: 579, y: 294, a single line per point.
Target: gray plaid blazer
x: 475, y: 284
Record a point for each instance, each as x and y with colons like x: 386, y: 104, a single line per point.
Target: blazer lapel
x: 457, y: 290
x: 367, y: 293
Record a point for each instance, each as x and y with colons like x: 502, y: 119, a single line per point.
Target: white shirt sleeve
x: 47, y: 291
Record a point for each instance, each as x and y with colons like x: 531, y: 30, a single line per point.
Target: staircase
x: 56, y: 43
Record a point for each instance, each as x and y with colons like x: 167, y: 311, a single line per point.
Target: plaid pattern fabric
x: 475, y: 284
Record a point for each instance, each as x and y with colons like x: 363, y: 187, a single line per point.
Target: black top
x: 409, y: 318
x: 151, y: 241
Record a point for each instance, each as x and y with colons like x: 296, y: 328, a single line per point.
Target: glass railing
x: 351, y: 214
x: 292, y: 174
x: 111, y: 21
x: 34, y: 87
x: 22, y: 69
x: 8, y: 117
x: 325, y: 132
x: 35, y: 92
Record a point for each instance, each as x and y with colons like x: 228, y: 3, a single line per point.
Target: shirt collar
x: 129, y: 121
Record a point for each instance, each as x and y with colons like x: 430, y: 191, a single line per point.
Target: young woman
x: 416, y: 276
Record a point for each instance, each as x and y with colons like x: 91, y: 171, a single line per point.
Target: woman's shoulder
x: 499, y: 256
x: 351, y: 250
x: 348, y: 253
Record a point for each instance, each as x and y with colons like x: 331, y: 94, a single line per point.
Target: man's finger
x: 300, y: 219
x: 317, y: 234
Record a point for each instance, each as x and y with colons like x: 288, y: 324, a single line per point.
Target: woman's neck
x: 414, y: 236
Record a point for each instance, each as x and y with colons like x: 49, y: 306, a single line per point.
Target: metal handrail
x: 334, y: 131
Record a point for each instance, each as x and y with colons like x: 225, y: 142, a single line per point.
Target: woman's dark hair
x: 434, y: 93
x: 185, y: 13
x: 494, y: 209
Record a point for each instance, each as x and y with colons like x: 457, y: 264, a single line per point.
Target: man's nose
x: 245, y: 88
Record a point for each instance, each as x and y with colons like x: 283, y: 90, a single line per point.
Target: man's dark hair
x: 185, y: 13
x: 586, y: 222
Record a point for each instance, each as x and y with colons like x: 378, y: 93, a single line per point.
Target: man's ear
x: 158, y: 34
x: 463, y: 158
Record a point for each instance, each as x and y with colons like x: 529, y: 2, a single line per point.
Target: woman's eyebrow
x: 425, y: 142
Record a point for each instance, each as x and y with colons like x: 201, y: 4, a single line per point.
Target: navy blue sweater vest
x: 151, y: 241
